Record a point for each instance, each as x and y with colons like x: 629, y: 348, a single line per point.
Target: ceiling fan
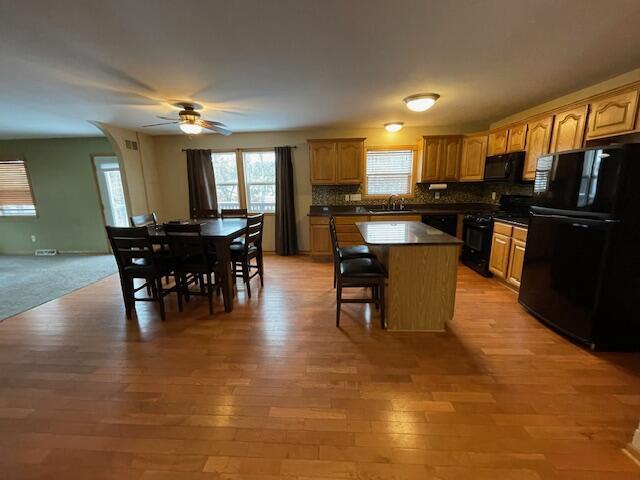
x: 190, y: 122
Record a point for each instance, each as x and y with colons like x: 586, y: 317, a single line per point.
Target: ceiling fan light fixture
x: 190, y: 128
x: 393, y: 126
x: 421, y: 101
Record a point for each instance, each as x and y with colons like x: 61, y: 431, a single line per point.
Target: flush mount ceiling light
x: 393, y: 126
x: 421, y: 101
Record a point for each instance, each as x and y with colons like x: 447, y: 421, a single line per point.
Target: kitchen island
x: 422, y: 263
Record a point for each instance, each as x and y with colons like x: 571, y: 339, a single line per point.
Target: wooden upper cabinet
x: 568, y: 129
x: 474, y: 152
x: 431, y: 155
x: 538, y: 142
x: 450, y: 162
x: 517, y: 138
x: 336, y: 161
x: 613, y: 115
x: 349, y: 161
x: 498, y: 142
x: 322, y: 162
x: 440, y: 157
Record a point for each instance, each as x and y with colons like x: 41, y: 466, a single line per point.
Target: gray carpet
x: 27, y: 281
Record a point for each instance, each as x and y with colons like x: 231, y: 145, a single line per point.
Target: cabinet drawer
x: 519, y: 234
x: 350, y: 238
x: 396, y: 218
x: 502, y: 228
x: 319, y: 220
x: 351, y: 228
x: 350, y: 219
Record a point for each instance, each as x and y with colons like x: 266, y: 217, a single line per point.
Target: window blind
x: 389, y: 172
x: 16, y: 198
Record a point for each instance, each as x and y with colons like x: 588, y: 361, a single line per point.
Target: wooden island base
x: 422, y: 266
x: 421, y: 289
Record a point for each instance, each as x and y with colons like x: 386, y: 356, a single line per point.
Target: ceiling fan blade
x: 215, y: 128
x: 219, y: 124
x: 168, y: 118
x: 158, y: 124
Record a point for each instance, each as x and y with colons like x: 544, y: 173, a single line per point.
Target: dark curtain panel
x: 202, y: 185
x: 286, y: 235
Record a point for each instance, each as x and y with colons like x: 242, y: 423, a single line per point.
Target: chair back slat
x: 148, y: 219
x: 233, y: 213
x: 186, y: 240
x: 129, y: 244
x: 254, y: 230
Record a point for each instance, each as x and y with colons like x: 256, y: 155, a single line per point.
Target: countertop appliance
x: 581, y: 271
x: 504, y: 168
x: 478, y: 230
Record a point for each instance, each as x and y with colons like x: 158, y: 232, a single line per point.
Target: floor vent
x: 46, y: 252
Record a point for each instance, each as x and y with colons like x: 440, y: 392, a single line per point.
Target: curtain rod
x: 251, y: 148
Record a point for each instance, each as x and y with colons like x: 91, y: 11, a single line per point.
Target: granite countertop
x: 419, y: 209
x: 396, y: 233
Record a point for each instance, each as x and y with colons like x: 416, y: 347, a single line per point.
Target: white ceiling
x: 291, y: 64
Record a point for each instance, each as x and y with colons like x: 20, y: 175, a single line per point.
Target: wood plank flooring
x: 275, y: 391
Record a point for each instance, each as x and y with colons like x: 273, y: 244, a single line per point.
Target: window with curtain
x: 260, y: 180
x: 225, y: 169
x: 389, y: 172
x: 16, y: 197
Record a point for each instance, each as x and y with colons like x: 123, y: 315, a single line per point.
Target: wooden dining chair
x: 145, y: 220
x: 365, y: 272
x: 207, y: 214
x: 251, y: 248
x: 233, y: 213
x: 137, y: 259
x: 194, y: 259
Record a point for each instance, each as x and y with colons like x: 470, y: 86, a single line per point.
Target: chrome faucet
x: 391, y: 202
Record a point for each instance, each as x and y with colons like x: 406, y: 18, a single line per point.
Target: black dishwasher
x: 447, y: 223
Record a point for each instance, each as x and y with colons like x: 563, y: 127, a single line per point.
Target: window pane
x: 16, y: 198
x: 225, y: 169
x: 260, y: 178
x: 389, y: 172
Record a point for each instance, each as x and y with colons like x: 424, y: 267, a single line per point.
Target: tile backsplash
x: 454, y: 193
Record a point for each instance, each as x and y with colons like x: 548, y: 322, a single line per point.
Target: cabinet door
x: 322, y: 158
x: 320, y: 239
x: 568, y: 129
x: 516, y: 261
x: 499, y: 261
x: 517, y: 138
x: 450, y: 163
x: 613, y: 115
x: 538, y: 141
x: 498, y: 142
x: 431, y: 159
x: 474, y: 152
x: 349, y: 163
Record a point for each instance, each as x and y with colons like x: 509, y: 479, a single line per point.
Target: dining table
x: 220, y: 234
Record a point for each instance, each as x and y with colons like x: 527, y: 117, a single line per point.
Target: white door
x: 111, y: 191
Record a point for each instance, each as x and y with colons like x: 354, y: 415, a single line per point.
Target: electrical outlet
x: 437, y: 195
x: 347, y: 197
x: 493, y: 195
x: 33, y: 238
x: 356, y: 197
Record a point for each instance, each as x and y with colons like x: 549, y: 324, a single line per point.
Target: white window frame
x: 246, y: 182
x: 242, y: 180
x: 412, y: 175
x: 21, y: 212
x: 237, y: 182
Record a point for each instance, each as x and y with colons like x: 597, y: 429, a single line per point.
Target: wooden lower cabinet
x: 507, y: 252
x: 499, y: 262
x: 319, y: 238
x: 516, y: 261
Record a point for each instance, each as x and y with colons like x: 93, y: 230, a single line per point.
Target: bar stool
x: 350, y: 252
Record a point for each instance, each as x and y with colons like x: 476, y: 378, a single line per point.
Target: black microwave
x: 504, y: 168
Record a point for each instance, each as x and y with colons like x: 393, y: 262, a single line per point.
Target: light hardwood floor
x: 274, y: 390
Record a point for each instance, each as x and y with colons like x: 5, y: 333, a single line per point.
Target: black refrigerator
x: 581, y: 271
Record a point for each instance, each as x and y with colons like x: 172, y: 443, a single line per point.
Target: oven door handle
x: 478, y: 227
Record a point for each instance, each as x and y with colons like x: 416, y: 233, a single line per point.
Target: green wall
x: 66, y: 196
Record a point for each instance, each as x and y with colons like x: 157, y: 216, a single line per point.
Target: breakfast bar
x: 421, y: 262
